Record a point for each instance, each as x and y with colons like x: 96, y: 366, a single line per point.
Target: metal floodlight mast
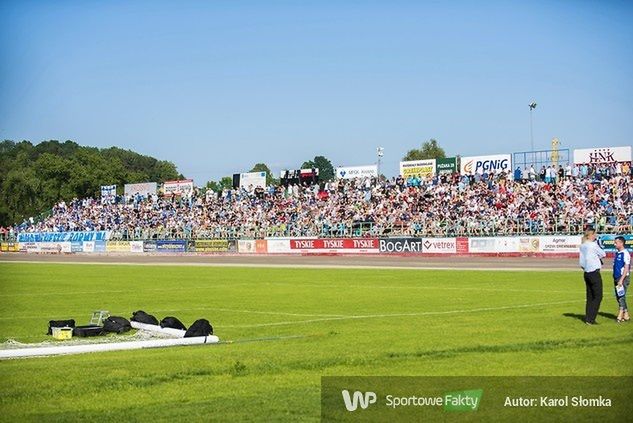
x: 532, y: 106
x: 380, y: 152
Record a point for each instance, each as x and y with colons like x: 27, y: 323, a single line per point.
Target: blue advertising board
x: 606, y: 242
x: 171, y: 246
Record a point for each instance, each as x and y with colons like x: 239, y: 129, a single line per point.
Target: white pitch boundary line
x: 426, y: 313
x: 295, y: 266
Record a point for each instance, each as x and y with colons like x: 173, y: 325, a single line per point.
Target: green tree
x: 326, y: 170
x: 225, y: 182
x: 430, y: 150
x: 34, y: 177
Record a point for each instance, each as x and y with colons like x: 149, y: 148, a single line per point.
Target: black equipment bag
x: 116, y: 324
x: 59, y: 324
x: 172, y: 322
x: 88, y: 330
x: 200, y: 327
x: 142, y: 317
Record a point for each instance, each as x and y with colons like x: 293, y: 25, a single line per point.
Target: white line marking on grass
x: 425, y: 313
x: 300, y: 266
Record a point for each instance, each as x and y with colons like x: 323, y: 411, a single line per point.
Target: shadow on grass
x: 581, y: 317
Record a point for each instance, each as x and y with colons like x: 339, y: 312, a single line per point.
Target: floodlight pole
x: 379, y: 152
x: 532, y: 106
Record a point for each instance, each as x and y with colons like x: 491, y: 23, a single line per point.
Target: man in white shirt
x: 591, y: 256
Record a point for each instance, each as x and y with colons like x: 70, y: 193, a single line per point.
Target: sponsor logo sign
x: 419, y: 168
x: 178, y: 187
x: 529, y: 244
x: 344, y: 245
x: 136, y: 246
x: 607, y: 242
x: 170, y: 246
x: 401, y: 245
x: 461, y: 244
x: 246, y: 246
x: 482, y: 245
x: 149, y: 246
x: 9, y: 247
x: 560, y: 244
x: 447, y: 165
x: 253, y: 179
x: 351, y: 172
x: 488, y: 164
x: 602, y: 155
x: 211, y: 245
x: 439, y: 245
x: 261, y: 246
x: 118, y: 246
x: 145, y: 189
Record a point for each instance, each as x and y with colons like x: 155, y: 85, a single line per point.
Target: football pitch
x: 283, y: 328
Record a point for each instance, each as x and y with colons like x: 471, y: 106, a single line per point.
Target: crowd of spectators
x: 550, y: 200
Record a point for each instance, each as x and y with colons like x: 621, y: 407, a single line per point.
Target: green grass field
x: 289, y: 327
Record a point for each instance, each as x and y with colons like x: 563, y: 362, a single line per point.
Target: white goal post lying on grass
x: 178, y: 339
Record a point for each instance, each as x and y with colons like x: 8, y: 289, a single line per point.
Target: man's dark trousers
x: 593, y: 281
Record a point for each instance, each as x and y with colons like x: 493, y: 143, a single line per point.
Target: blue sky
x: 216, y: 86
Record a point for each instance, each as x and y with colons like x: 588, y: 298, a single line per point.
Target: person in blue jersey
x: 621, y: 277
x: 591, y: 256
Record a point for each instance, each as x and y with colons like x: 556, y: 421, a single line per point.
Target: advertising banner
x: 145, y: 189
x: 118, y: 246
x: 149, y: 246
x: 439, y: 245
x: 253, y: 180
x: 54, y: 247
x: 351, y: 172
x: 261, y: 246
x: 461, y: 244
x: 607, y: 242
x: 529, y: 244
x: 602, y: 155
x: 447, y: 165
x: 421, y: 168
x: 560, y: 244
x: 507, y: 244
x: 63, y: 236
x: 480, y: 164
x: 211, y: 245
x: 246, y: 246
x: 177, y: 187
x: 9, y: 247
x: 482, y: 245
x: 136, y: 246
x: 279, y: 245
x: 400, y: 245
x: 108, y: 190
x: 170, y: 246
x: 345, y: 245
x: 76, y: 247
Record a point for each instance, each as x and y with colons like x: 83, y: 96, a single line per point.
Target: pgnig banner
x: 492, y: 398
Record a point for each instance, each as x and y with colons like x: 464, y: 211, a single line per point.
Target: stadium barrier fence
x: 523, y: 245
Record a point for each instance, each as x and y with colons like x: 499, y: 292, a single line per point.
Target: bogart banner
x: 420, y: 168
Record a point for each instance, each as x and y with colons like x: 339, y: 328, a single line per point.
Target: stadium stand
x: 448, y: 205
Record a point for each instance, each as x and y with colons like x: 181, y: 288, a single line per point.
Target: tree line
x: 34, y: 177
